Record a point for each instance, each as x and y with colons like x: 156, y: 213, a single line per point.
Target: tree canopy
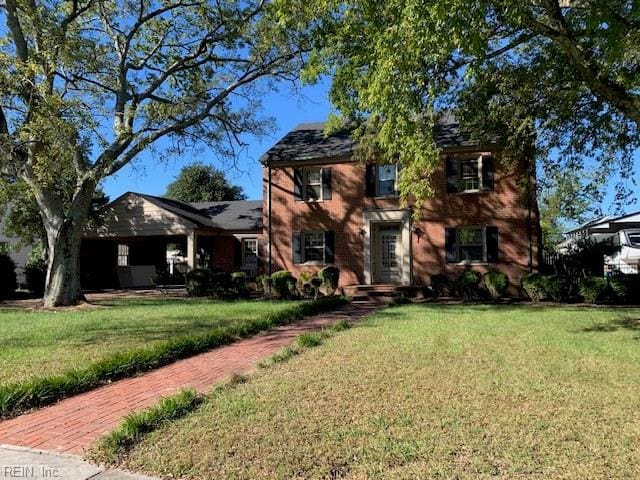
x: 203, y: 183
x: 87, y: 85
x: 556, y: 78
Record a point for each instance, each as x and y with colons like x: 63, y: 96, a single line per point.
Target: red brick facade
x: 505, y: 207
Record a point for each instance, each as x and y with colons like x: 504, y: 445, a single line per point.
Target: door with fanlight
x: 388, y: 253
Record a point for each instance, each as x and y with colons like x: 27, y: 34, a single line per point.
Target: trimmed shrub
x: 305, y: 285
x: 594, y: 289
x: 267, y: 285
x: 220, y: 282
x: 198, y: 282
x: 282, y: 282
x: 533, y: 286
x: 8, y: 282
x: 35, y: 272
x: 440, y: 285
x: 496, y: 284
x: 468, y: 282
x: 330, y: 277
x: 239, y: 283
x: 556, y: 287
x: 626, y: 288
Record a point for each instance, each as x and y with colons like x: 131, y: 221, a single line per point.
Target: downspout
x: 270, y: 270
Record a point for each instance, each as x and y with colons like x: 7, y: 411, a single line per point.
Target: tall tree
x: 86, y: 85
x: 203, y: 183
x: 548, y: 75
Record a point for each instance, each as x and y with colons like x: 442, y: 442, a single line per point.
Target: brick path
x: 73, y: 424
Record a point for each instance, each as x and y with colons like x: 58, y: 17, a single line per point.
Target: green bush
x: 468, y: 283
x: 305, y: 284
x: 220, y: 282
x: 626, y: 288
x: 8, y: 282
x: 533, y: 286
x: 330, y: 278
x: 594, y: 289
x: 496, y: 284
x: 35, y: 272
x: 440, y: 285
x: 264, y: 285
x: 556, y: 287
x: 282, y: 280
x: 198, y: 282
x: 239, y: 283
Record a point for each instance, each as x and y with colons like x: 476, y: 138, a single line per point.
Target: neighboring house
x: 19, y: 254
x: 623, y: 231
x: 139, y: 234
x: 321, y: 207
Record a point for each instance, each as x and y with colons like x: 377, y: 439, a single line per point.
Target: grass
x: 437, y: 392
x: 71, y: 352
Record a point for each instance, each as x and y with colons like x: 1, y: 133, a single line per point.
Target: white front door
x: 388, y: 253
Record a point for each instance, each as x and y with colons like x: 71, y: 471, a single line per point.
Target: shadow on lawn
x: 628, y: 323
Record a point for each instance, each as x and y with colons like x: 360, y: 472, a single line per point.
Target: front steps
x: 384, y: 293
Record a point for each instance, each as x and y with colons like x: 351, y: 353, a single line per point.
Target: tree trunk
x: 64, y: 237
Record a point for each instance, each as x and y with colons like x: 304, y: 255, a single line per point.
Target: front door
x: 388, y: 253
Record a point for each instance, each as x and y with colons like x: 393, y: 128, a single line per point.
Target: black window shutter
x: 371, y: 181
x: 488, y: 168
x: 329, y: 247
x: 237, y: 252
x: 398, y: 170
x: 492, y: 244
x: 451, y: 247
x: 452, y: 174
x: 297, y: 247
x: 297, y: 184
x: 326, y: 184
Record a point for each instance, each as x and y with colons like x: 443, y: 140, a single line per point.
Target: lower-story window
x: 471, y: 244
x: 313, y: 247
x: 123, y: 255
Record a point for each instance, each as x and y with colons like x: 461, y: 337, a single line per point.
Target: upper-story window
x: 312, y: 184
x: 469, y: 173
x: 386, y: 180
x: 470, y: 178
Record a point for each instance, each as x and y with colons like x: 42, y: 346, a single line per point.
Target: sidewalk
x: 73, y: 424
x: 18, y: 462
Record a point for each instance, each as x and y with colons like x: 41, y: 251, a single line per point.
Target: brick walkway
x: 73, y: 424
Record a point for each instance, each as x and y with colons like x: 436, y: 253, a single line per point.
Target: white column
x: 191, y: 250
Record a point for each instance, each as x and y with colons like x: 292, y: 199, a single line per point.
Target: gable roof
x: 233, y: 215
x: 307, y: 141
x: 607, y: 222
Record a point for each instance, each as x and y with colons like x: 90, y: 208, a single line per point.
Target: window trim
x: 306, y: 184
x: 483, y: 230
x: 466, y: 158
x: 303, y: 252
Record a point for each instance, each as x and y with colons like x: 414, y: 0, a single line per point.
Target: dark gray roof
x: 233, y: 215
x: 307, y: 141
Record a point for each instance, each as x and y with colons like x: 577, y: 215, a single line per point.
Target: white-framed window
x: 470, y: 174
x: 312, y: 178
x: 386, y: 178
x: 471, y: 244
x: 634, y: 238
x: 313, y: 246
x: 123, y: 255
x: 249, y: 251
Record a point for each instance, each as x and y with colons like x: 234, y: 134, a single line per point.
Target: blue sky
x: 287, y: 107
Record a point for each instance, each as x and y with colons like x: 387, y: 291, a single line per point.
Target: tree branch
x: 13, y: 24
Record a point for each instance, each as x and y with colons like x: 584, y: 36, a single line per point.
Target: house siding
x: 504, y: 207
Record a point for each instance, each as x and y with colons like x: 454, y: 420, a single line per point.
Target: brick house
x: 322, y: 207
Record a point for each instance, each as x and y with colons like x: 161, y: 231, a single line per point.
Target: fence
x: 621, y: 269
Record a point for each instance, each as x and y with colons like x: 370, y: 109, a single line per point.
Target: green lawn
x: 428, y: 392
x: 42, y: 343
